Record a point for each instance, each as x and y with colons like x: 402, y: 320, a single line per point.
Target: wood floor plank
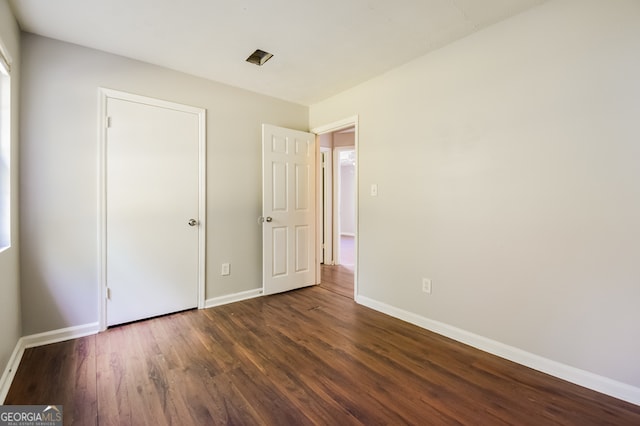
x: 338, y: 279
x: 311, y: 356
x: 59, y: 374
x: 371, y: 368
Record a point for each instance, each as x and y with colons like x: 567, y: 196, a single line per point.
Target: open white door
x: 288, y: 209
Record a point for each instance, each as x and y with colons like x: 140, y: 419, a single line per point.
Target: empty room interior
x: 331, y: 212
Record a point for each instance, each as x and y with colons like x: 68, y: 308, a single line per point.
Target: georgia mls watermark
x: 30, y: 415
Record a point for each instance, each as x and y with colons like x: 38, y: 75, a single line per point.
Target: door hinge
x: 108, y: 122
x: 108, y: 293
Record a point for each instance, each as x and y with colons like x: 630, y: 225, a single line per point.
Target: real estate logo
x: 30, y: 415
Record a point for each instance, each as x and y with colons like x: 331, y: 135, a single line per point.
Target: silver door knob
x: 268, y: 219
x: 192, y: 222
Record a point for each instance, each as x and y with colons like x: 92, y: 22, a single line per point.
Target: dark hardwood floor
x: 310, y: 356
x: 338, y: 279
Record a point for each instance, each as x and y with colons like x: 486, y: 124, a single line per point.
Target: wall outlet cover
x: 426, y: 285
x: 226, y: 269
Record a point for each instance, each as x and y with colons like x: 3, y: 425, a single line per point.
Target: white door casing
x: 326, y: 209
x: 152, y: 186
x: 288, y: 209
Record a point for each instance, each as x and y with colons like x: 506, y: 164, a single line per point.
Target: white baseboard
x: 574, y: 375
x: 40, y: 339
x: 230, y: 298
x: 55, y: 336
x: 10, y: 370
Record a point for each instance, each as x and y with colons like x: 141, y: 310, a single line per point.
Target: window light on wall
x: 5, y: 148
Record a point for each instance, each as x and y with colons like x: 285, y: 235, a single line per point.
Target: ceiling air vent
x: 259, y: 57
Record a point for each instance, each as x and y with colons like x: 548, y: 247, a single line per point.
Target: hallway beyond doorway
x: 338, y: 279
x: 347, y: 251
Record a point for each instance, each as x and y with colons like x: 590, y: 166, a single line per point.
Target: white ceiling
x: 320, y: 47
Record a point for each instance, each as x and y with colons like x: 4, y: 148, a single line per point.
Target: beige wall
x: 326, y: 140
x: 335, y: 139
x: 343, y: 139
x: 507, y: 166
x: 10, y: 328
x: 59, y: 174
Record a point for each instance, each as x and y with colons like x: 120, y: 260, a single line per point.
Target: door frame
x: 326, y: 247
x: 330, y: 128
x: 104, y: 95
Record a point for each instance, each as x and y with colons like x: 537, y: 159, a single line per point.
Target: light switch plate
x: 374, y: 189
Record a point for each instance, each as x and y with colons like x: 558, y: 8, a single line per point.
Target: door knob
x: 268, y: 219
x: 192, y: 222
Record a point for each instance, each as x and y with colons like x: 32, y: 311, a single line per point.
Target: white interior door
x: 152, y: 209
x: 288, y: 209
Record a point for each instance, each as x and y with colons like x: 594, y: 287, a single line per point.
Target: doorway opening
x: 337, y: 207
x: 345, y: 201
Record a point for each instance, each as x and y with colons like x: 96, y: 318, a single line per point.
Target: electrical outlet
x: 226, y: 269
x: 426, y: 285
